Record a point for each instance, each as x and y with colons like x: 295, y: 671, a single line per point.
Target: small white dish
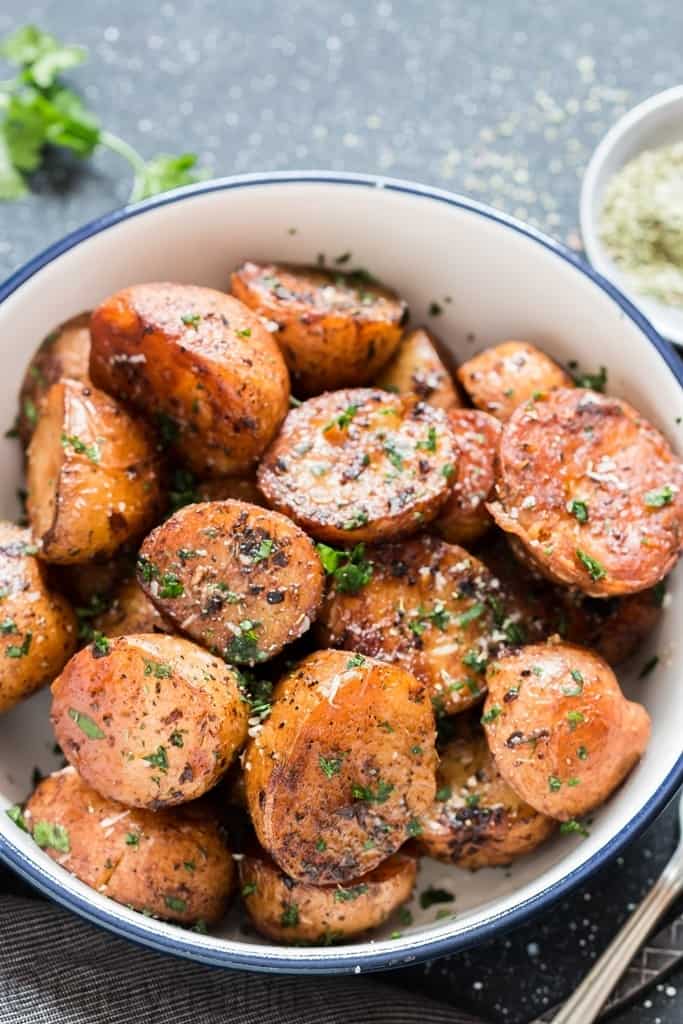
x: 657, y: 121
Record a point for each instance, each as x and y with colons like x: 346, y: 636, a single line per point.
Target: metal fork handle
x: 585, y: 1004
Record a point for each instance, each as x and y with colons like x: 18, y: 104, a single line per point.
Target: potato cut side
x: 501, y: 378
x: 464, y: 518
x: 417, y: 368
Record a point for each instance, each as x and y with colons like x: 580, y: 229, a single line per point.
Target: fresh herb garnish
x: 593, y: 567
x: 158, y: 759
x: 592, y: 381
x: 355, y: 661
x: 191, y: 319
x: 491, y: 714
x: 86, y: 724
x: 346, y: 895
x: 430, y: 444
x: 330, y: 766
x: 244, y: 645
x: 19, y: 650
x: 578, y: 509
x: 100, y: 645
x: 175, y: 903
x: 50, y: 836
x: 170, y: 585
x: 343, y: 420
x: 366, y: 793
x: 657, y: 499
x: 574, y: 718
x: 289, y: 918
x: 430, y: 896
x: 573, y: 826
x: 158, y: 669
x: 554, y: 783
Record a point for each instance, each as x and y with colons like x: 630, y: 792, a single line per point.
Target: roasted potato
x: 561, y: 731
x: 499, y: 379
x: 130, y: 611
x: 340, y: 772
x: 477, y: 820
x: 201, y: 363
x: 91, y: 584
x: 168, y: 864
x: 297, y: 912
x: 429, y: 606
x: 93, y: 476
x: 37, y: 625
x: 241, y: 580
x: 65, y: 352
x: 417, y: 368
x: 149, y: 720
x: 464, y: 517
x: 593, y: 492
x: 334, y: 329
x: 360, y: 465
x: 239, y: 488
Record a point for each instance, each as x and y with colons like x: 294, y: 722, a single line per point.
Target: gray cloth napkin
x: 57, y: 969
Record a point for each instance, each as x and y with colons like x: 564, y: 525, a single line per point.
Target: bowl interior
x: 656, y: 122
x: 492, y: 281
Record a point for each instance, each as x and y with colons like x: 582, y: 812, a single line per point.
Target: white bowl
x: 503, y: 280
x: 658, y: 121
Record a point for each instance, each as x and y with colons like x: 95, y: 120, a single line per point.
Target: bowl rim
x: 410, y: 948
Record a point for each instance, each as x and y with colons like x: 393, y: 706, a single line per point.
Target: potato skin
x: 93, y: 476
x: 171, y: 864
x: 477, y: 820
x: 295, y: 912
x: 417, y: 368
x: 360, y: 465
x: 335, y: 330
x: 240, y: 488
x: 216, y: 378
x: 577, y: 446
x: 561, y: 731
x: 499, y: 379
x: 37, y: 625
x: 464, y: 518
x: 233, y: 563
x: 342, y: 769
x: 65, y: 352
x: 131, y: 611
x: 431, y: 607
x: 152, y: 721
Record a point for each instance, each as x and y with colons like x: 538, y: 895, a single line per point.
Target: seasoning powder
x: 642, y: 222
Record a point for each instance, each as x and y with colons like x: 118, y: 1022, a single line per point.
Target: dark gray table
x: 502, y: 99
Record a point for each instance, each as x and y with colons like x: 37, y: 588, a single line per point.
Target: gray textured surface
x: 502, y: 99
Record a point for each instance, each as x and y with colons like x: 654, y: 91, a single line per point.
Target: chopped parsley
x: 414, y: 828
x: 491, y: 714
x: 574, y: 718
x: 19, y: 650
x: 582, y: 753
x: 573, y: 826
x: 170, y: 585
x: 357, y: 520
x: 574, y: 691
x: 249, y: 888
x: 430, y: 444
x: 366, y: 793
x: 554, y: 783
x: 175, y: 903
x: 176, y: 739
x: 447, y: 470
x: 657, y: 499
x: 289, y: 918
x: 132, y: 839
x: 158, y: 669
x: 50, y: 836
x: 592, y: 566
x: 158, y: 759
x: 343, y: 420
x: 263, y: 551
x: 16, y: 814
x: 257, y: 693
x: 8, y: 626
x: 330, y: 766
x: 593, y: 381
x: 346, y: 895
x: 394, y: 455
x: 91, y: 451
x: 355, y: 661
x: 244, y: 645
x: 191, y: 319
x: 244, y: 332
x: 430, y: 896
x: 86, y: 724
x: 578, y: 509
x: 444, y: 793
x: 470, y: 615
x: 100, y: 645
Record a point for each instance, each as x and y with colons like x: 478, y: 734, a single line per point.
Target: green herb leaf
x: 366, y: 793
x: 86, y: 724
x: 430, y: 896
x: 347, y: 895
x: 573, y: 826
x: 175, y: 903
x: 16, y: 814
x: 578, y: 509
x: 330, y: 766
x: 289, y: 918
x: 19, y: 650
x: 659, y: 498
x: 165, y: 172
x: 593, y: 567
x: 53, y: 837
x: 491, y: 714
x: 158, y: 759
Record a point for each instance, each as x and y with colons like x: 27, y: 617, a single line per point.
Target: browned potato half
x: 168, y: 864
x: 417, y: 368
x: 93, y: 476
x: 360, y: 465
x: 429, y: 606
x: 477, y: 820
x: 65, y: 352
x: 131, y: 611
x: 201, y: 363
x: 92, y: 583
x: 561, y: 731
x: 297, y: 912
x: 464, y: 517
x: 149, y: 720
x: 37, y: 625
x: 592, y: 491
x: 340, y: 772
x: 334, y: 329
x: 500, y: 378
x: 223, y: 487
x: 241, y: 580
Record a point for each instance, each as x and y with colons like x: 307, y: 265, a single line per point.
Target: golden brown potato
x: 38, y: 626
x: 417, y: 368
x: 464, y: 517
x: 429, y: 606
x: 148, y: 720
x: 561, y: 731
x: 65, y: 352
x: 93, y: 476
x: 477, y: 820
x: 297, y: 912
x: 593, y: 492
x: 500, y: 378
x: 168, y: 864
x: 91, y: 584
x: 340, y: 772
x: 201, y: 363
x: 131, y: 611
x: 335, y: 330
x: 241, y: 580
x: 223, y: 487
x: 360, y: 465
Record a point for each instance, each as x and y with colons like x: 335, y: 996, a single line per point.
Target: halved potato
x: 464, y: 517
x: 201, y: 363
x: 297, y: 912
x: 477, y: 820
x: 592, y: 491
x: 131, y: 611
x: 169, y: 864
x: 499, y: 379
x: 561, y: 731
x: 241, y: 580
x: 37, y: 625
x: 334, y: 329
x: 93, y: 476
x: 147, y: 719
x: 417, y: 368
x: 360, y: 465
x: 340, y: 772
x: 65, y: 352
